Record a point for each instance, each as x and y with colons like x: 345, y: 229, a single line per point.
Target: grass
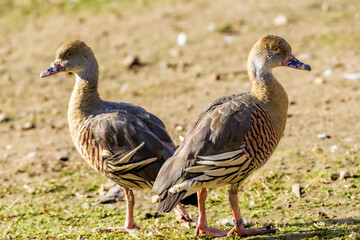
x: 64, y: 207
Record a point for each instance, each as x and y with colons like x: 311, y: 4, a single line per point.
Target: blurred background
x: 173, y: 58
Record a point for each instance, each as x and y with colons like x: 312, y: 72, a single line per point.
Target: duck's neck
x: 269, y: 91
x: 85, y: 99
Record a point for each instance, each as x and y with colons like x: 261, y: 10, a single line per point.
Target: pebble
x: 229, y: 39
x: 327, y: 72
x: 32, y: 155
x: 181, y: 138
x: 344, y: 174
x: 280, y: 20
x: 132, y: 61
x: 323, y: 136
x: 115, y: 194
x: 319, y: 81
x: 4, y: 117
x: 28, y: 125
x: 352, y: 76
x: 215, y: 77
x: 28, y: 189
x: 181, y: 39
x: 124, y: 87
x: 334, y: 148
x: 179, y: 128
x: 62, y: 155
x: 295, y: 189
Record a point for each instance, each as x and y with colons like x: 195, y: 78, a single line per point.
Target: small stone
x: 9, y: 147
x: 115, y: 194
x: 4, y: 117
x: 28, y: 125
x: 32, y: 155
x: 352, y: 76
x: 62, y: 155
x: 179, y: 128
x: 344, y: 175
x: 229, y: 39
x: 28, y: 189
x: 124, y: 87
x: 280, y: 20
x: 323, y: 136
x: 327, y: 72
x: 181, y: 138
x: 295, y: 189
x: 319, y: 81
x: 215, y: 77
x: 181, y: 39
x: 132, y: 61
x: 334, y: 148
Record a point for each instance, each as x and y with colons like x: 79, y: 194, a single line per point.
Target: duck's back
x: 231, y: 138
x: 125, y: 143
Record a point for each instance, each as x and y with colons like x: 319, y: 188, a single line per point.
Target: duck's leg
x: 239, y: 225
x: 202, y: 222
x: 181, y: 214
x: 129, y: 221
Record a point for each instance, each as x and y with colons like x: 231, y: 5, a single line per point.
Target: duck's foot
x: 212, y: 232
x: 117, y: 229
x: 241, y: 231
x: 182, y: 215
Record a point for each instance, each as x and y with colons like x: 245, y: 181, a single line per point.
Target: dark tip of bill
x: 307, y: 67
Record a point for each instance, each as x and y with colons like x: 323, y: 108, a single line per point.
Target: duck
x: 121, y: 141
x: 231, y: 138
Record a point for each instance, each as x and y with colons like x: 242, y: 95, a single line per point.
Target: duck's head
x: 73, y: 56
x: 273, y: 51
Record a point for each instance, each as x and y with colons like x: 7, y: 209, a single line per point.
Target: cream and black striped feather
x: 126, y: 144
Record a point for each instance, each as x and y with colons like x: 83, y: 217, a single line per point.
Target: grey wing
x: 127, y: 148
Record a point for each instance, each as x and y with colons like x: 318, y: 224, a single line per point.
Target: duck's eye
x: 69, y: 54
x: 276, y: 49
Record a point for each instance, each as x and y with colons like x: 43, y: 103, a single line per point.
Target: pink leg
x: 202, y: 225
x: 129, y: 221
x: 181, y: 214
x: 239, y: 226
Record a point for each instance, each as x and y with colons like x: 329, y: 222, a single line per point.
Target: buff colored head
x: 73, y: 56
x: 273, y: 51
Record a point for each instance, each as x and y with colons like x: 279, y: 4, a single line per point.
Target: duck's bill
x: 292, y: 62
x: 54, y: 68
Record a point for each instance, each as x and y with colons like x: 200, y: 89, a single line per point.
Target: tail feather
x: 167, y: 204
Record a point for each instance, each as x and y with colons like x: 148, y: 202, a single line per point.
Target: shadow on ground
x: 335, y: 228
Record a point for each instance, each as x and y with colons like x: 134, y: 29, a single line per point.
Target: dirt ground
x: 321, y: 146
